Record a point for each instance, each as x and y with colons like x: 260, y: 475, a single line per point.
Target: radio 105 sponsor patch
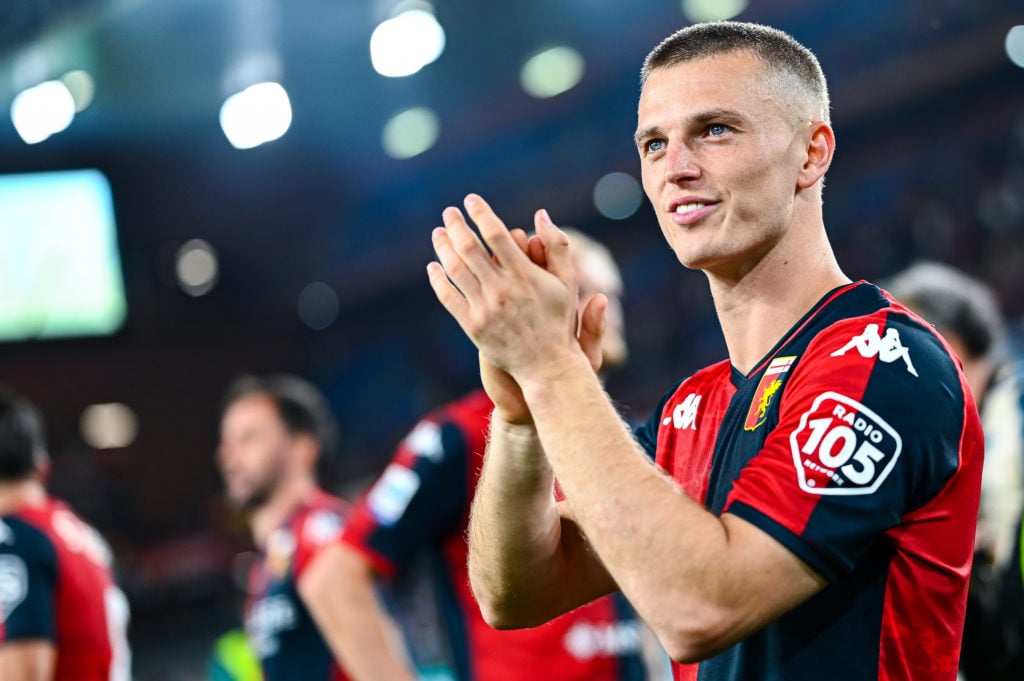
x: 841, y: 447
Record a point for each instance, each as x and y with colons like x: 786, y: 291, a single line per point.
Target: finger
x: 494, y: 232
x: 592, y: 326
x: 556, y: 249
x: 536, y: 252
x: 454, y: 265
x: 466, y: 244
x: 522, y: 241
x: 447, y: 294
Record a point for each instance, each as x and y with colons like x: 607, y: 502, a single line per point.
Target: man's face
x: 254, y: 450
x: 720, y: 155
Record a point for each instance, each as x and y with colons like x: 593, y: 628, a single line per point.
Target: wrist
x: 542, y: 386
x: 513, y: 428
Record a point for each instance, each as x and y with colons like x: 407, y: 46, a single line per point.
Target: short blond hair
x: 793, y: 68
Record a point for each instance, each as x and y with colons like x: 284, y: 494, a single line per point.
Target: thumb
x: 591, y: 332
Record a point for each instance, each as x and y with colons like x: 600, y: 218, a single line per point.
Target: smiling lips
x: 692, y: 211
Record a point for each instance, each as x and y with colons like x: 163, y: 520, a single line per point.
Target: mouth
x: 689, y: 211
x: 685, y: 208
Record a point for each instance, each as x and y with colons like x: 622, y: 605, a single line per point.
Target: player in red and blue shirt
x: 810, y: 514
x: 421, y: 504
x: 830, y: 421
x: 62, y: 617
x: 278, y: 623
x: 275, y: 431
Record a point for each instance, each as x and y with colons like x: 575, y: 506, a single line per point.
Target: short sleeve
x: 421, y: 497
x: 28, y: 573
x: 318, y: 529
x: 863, y: 439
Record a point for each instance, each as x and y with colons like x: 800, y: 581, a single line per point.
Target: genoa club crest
x: 767, y: 389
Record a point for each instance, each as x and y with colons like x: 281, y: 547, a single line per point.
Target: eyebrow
x: 697, y: 119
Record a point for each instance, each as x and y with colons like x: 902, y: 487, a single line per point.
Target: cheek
x: 649, y: 179
x: 766, y: 186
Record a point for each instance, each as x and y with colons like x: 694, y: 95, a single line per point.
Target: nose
x: 680, y: 165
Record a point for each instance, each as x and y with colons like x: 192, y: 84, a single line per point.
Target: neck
x: 20, y: 493
x: 271, y: 515
x: 757, y: 306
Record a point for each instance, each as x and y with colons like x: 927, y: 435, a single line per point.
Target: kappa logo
x: 870, y: 342
x: 685, y: 413
x: 843, y: 448
x: 425, y: 441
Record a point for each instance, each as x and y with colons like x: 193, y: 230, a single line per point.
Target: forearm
x: 681, y: 566
x: 527, y: 563
x: 341, y: 593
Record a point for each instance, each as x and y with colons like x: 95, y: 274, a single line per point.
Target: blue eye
x: 717, y: 129
x: 655, y: 146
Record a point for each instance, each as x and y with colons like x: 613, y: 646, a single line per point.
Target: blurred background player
x: 967, y: 313
x: 418, y: 510
x: 61, y: 615
x: 274, y: 431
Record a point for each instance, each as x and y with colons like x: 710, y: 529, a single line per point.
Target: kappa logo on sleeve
x: 842, y: 448
x: 425, y: 440
x: 870, y: 342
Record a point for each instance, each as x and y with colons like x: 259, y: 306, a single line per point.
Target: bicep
x: 335, y: 581
x: 28, y: 660
x: 337, y: 587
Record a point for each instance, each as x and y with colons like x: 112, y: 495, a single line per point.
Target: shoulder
x: 448, y: 434
x: 890, y: 340
x: 322, y: 519
x: 886, y: 378
x: 27, y: 558
x: 23, y: 538
x: 318, y: 524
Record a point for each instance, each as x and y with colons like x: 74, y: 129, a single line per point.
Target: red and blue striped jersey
x: 418, y: 511
x: 280, y: 628
x: 856, y: 444
x: 56, y: 585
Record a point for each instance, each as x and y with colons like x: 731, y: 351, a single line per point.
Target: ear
x: 305, y: 451
x: 821, y: 145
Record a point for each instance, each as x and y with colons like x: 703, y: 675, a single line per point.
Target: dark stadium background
x: 928, y: 110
